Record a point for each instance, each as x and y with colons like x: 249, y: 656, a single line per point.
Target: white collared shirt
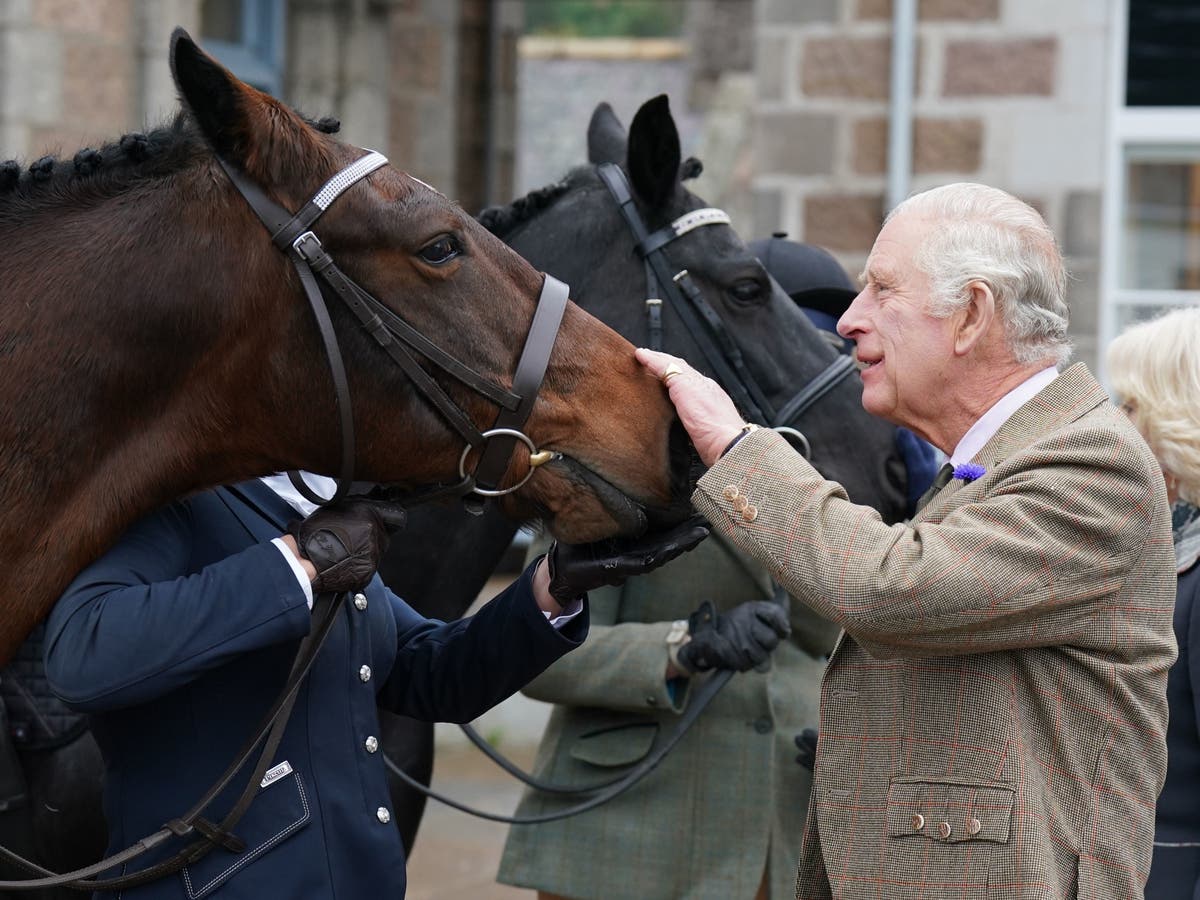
x: 1001, y: 411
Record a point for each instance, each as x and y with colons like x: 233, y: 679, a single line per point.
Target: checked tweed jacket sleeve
x: 993, y: 719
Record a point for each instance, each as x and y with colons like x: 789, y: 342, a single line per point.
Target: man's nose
x: 850, y: 323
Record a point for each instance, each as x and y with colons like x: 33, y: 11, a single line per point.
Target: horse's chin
x: 593, y: 508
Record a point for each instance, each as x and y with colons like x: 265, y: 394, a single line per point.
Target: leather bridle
x: 706, y: 327
x: 727, y: 362
x: 321, y: 278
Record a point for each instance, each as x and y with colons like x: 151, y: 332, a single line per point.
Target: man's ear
x: 975, y: 320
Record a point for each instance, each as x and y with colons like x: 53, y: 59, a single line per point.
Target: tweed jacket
x: 993, y: 719
x: 727, y: 804
x: 180, y: 637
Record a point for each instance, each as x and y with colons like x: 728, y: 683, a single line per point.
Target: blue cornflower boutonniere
x: 968, y: 472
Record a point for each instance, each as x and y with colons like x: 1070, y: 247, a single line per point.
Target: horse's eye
x: 748, y: 290
x: 441, y: 250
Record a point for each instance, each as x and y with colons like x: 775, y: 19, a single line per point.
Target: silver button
x: 974, y: 826
x: 371, y: 743
x: 364, y: 673
x: 360, y: 601
x: 383, y: 815
x: 944, y: 830
x: 918, y: 822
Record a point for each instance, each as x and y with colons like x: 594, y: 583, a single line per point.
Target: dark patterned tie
x: 945, y: 473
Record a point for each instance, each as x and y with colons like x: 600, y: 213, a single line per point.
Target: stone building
x: 1085, y: 108
x: 430, y: 83
x: 1054, y: 102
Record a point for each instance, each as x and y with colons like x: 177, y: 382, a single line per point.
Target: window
x: 1151, y: 228
x: 248, y: 37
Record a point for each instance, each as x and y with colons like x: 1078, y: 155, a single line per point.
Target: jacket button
x: 918, y: 822
x: 750, y: 513
x: 762, y: 725
x: 740, y: 503
x: 371, y: 743
x: 731, y: 492
x: 364, y: 673
x: 360, y: 601
x: 651, y: 700
x: 973, y: 827
x: 383, y: 815
x: 943, y: 830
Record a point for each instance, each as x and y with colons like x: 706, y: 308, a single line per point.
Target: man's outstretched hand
x: 575, y: 569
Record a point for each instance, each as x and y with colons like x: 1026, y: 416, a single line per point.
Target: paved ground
x: 456, y: 855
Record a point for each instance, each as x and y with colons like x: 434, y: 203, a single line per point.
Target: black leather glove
x: 739, y: 639
x: 575, y: 569
x: 344, y: 542
x: 806, y: 743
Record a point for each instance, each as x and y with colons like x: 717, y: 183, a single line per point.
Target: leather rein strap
x: 294, y: 236
x: 721, y: 352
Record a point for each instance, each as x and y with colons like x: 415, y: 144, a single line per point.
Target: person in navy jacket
x: 1155, y: 371
x: 179, y: 639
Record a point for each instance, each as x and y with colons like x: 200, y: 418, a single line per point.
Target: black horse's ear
x: 605, y: 137
x: 653, y: 156
x: 213, y: 95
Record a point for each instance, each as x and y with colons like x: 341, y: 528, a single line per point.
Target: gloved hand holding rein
x: 344, y: 542
x: 575, y: 569
x: 738, y: 639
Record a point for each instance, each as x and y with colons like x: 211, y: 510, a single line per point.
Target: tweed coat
x: 729, y: 799
x: 179, y: 638
x: 993, y: 719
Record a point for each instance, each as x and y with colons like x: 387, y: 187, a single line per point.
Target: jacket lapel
x: 1070, y: 396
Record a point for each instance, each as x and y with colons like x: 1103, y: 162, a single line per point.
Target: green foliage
x: 605, y: 18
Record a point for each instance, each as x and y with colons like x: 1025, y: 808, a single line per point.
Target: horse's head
x: 464, y: 291
x: 576, y: 230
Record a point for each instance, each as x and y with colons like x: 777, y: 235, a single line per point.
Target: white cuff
x: 301, y: 575
x: 567, y: 614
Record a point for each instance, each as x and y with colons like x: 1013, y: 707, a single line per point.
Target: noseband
x: 294, y: 236
x: 721, y: 352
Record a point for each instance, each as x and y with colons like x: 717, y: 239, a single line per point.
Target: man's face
x: 905, y: 353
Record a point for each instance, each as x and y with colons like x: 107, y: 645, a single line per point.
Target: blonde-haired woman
x: 1154, y: 368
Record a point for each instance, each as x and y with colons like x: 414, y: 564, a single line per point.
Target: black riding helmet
x: 809, y: 275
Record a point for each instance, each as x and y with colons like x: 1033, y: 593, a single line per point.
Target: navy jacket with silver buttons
x: 179, y: 638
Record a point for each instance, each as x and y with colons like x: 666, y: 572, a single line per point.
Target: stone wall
x: 1009, y: 93
x: 431, y: 83
x: 77, y: 74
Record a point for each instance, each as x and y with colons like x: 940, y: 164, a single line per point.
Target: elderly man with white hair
x: 993, y: 717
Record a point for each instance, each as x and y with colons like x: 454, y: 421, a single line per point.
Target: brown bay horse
x: 154, y: 343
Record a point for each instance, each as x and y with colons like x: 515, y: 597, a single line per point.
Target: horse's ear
x: 653, y: 157
x: 606, y: 137
x: 243, y: 125
x: 216, y: 99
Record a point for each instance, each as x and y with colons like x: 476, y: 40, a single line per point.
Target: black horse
x: 575, y: 230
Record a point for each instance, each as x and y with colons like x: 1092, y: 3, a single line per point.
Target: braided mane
x: 93, y: 174
x: 501, y: 220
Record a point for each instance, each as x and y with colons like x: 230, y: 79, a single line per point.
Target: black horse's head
x: 576, y: 230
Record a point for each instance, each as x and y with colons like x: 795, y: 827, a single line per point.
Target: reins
x: 293, y: 235
x: 728, y: 362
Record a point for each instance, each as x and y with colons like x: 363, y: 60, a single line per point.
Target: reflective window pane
x: 1163, y: 52
x: 1161, y: 222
